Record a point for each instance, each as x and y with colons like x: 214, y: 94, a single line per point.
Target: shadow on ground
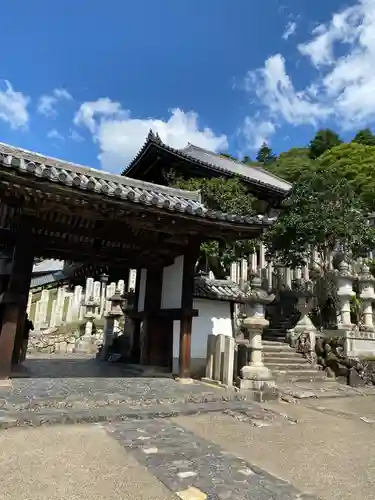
x: 81, y: 367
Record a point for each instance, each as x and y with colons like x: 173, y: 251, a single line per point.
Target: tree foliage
x: 323, y: 141
x: 321, y: 211
x: 355, y: 163
x: 225, y: 195
x: 365, y: 137
x: 292, y: 165
x: 265, y: 155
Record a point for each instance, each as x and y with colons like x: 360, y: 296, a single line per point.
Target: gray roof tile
x: 257, y: 174
x: 112, y: 185
x: 227, y: 290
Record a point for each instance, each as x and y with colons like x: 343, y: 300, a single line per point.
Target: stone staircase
x: 286, y: 364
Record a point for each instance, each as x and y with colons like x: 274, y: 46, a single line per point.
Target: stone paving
x: 78, y: 390
x: 186, y: 463
x: 197, y: 441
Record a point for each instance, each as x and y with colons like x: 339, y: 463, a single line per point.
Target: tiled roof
x: 257, y: 174
x: 206, y: 288
x: 208, y: 159
x: 112, y: 185
x: 48, y: 266
x: 48, y: 279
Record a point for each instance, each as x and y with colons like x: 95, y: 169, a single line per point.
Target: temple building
x: 54, y: 209
x: 156, y: 160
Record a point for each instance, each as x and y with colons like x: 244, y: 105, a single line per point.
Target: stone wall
x: 60, y: 340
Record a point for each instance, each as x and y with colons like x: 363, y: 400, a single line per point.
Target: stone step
x: 300, y: 375
x: 285, y: 360
x: 288, y: 367
x: 283, y: 353
x: 270, y: 345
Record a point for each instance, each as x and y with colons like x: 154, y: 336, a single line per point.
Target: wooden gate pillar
x: 190, y: 260
x: 14, y: 301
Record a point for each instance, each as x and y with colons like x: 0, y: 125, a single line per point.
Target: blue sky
x: 85, y: 80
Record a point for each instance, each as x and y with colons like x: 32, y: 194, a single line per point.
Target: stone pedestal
x: 345, y: 293
x: 255, y: 375
x: 367, y: 295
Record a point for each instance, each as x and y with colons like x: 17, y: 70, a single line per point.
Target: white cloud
x: 343, y: 52
x: 47, y: 103
x: 256, y: 132
x: 13, y: 106
x: 120, y: 136
x: 55, y: 134
x: 75, y: 136
x: 290, y: 29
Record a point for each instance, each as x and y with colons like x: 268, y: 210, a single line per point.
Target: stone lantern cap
x: 116, y: 302
x: 365, y: 275
x: 344, y: 270
x: 91, y: 302
x: 256, y: 294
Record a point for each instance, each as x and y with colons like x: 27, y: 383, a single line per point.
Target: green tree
x: 265, y: 154
x: 247, y: 160
x: 292, y: 165
x: 321, y: 211
x: 229, y: 156
x: 365, y: 137
x: 356, y: 163
x: 225, y: 195
x: 323, y: 141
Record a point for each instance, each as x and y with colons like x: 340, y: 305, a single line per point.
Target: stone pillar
x: 69, y: 309
x: 103, y: 292
x: 89, y: 289
x: 345, y: 293
x: 270, y: 276
x: 255, y: 375
x: 254, y: 262
x: 228, y: 362
x: 111, y: 318
x: 43, y: 309
x: 244, y: 272
x: 96, y: 294
x: 210, y: 356
x: 367, y: 295
x: 288, y: 277
x: 233, y: 272
x: 77, y: 301
x: 262, y: 255
x: 132, y: 279
x: 121, y: 287
x: 60, y: 302
x: 219, y: 355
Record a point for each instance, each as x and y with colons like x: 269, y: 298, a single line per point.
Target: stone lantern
x: 111, y: 322
x: 255, y: 375
x: 367, y: 295
x: 345, y: 293
x: 303, y: 295
x: 87, y: 342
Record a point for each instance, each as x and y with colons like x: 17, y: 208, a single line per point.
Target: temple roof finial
x: 150, y: 135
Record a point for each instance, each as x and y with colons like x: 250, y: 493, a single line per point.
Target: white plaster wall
x: 171, y: 293
x: 214, y: 318
x: 142, y: 290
